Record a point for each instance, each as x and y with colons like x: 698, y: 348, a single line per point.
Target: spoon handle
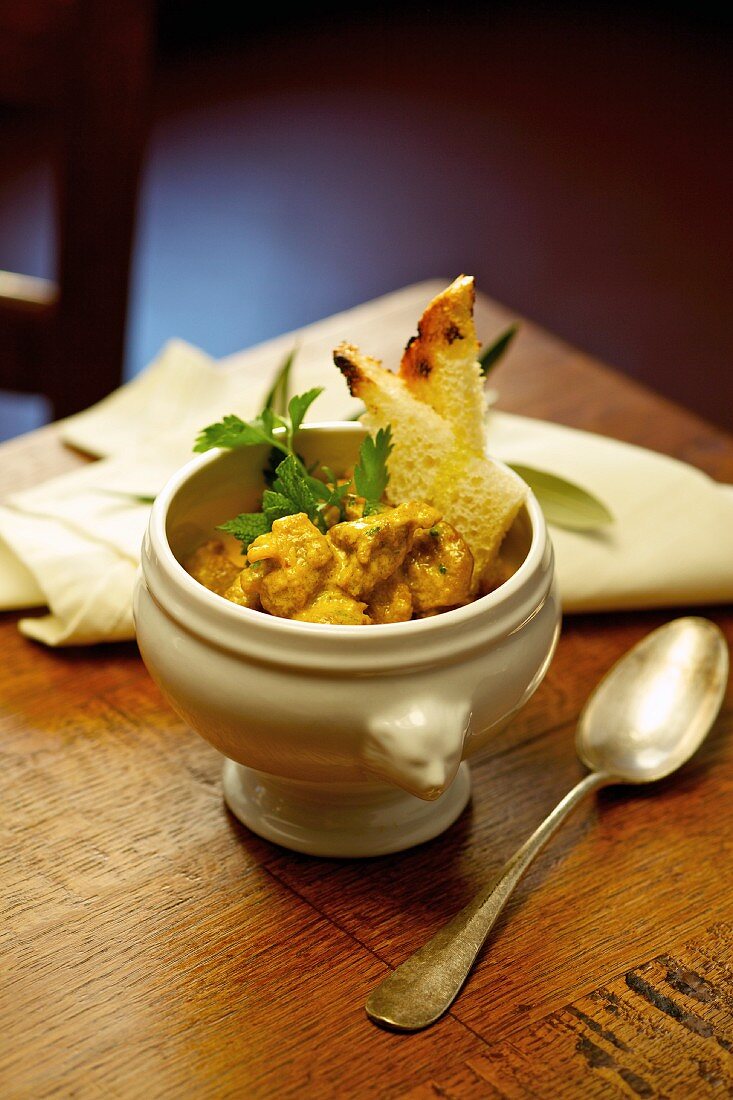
x: 419, y: 991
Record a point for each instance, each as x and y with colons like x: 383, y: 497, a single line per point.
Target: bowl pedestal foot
x: 344, y: 820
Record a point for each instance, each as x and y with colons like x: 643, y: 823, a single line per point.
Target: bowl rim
x: 274, y: 628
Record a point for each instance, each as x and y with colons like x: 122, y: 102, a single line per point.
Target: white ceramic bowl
x: 339, y: 741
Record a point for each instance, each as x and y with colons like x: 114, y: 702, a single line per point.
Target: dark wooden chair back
x: 86, y: 64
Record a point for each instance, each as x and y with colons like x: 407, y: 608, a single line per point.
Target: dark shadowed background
x: 575, y: 158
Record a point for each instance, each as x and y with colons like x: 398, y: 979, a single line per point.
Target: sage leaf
x: 135, y: 498
x: 564, y: 503
x: 491, y: 355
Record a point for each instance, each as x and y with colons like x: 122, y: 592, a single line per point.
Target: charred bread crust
x: 447, y: 323
x: 346, y: 357
x: 440, y: 365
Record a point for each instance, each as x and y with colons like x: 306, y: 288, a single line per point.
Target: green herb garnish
x: 135, y: 498
x: 293, y: 488
x: 279, y: 395
x: 269, y: 427
x: 247, y: 526
x: 491, y: 355
x: 371, y: 475
x: 564, y: 503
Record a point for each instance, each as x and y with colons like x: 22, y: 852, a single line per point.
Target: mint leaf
x: 321, y: 491
x: 277, y: 506
x: 293, y: 484
x: 371, y: 475
x: 247, y: 527
x: 491, y: 355
x: 334, y: 496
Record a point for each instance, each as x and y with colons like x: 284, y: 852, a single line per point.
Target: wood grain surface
x: 152, y: 946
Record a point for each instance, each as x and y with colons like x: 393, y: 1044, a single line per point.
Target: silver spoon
x: 647, y: 717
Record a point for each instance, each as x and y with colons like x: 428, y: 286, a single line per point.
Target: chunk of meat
x: 333, y: 605
x: 211, y: 566
x: 438, y: 570
x: 388, y: 567
x: 371, y: 549
x: 246, y: 586
x: 391, y: 601
x: 353, y: 506
x: 296, y: 562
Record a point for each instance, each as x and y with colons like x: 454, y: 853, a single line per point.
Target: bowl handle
x: 417, y: 746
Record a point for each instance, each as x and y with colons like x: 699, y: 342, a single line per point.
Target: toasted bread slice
x: 430, y: 462
x: 421, y: 438
x: 440, y: 365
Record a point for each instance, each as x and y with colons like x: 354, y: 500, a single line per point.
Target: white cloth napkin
x: 72, y: 544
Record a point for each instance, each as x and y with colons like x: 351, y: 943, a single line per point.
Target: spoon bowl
x: 653, y: 709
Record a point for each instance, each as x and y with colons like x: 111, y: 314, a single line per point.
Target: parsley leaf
x: 371, y: 475
x: 233, y: 432
x: 298, y: 406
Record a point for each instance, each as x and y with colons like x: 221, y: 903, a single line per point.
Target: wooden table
x: 153, y: 947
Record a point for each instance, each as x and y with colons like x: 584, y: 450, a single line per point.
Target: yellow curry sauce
x: 400, y: 563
